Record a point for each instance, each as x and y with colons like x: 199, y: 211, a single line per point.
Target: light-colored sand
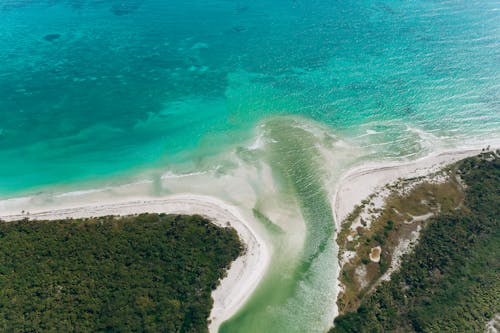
x: 375, y: 254
x: 361, y: 181
x: 245, y: 272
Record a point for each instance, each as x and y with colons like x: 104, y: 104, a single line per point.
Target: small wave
x: 171, y: 175
x: 81, y: 192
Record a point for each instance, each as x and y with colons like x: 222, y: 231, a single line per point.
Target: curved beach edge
x: 358, y: 182
x: 244, y: 273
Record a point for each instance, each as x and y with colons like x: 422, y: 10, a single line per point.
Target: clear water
x: 100, y: 90
x: 138, y: 82
x: 305, y: 280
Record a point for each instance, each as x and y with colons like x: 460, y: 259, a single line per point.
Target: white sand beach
x: 245, y: 272
x: 359, y: 182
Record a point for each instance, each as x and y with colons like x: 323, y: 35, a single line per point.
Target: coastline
x: 357, y: 183
x: 360, y: 181
x: 244, y: 273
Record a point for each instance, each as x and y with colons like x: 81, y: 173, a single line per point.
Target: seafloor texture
x: 92, y: 88
x: 96, y: 92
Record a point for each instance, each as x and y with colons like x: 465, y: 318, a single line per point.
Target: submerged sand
x: 247, y: 271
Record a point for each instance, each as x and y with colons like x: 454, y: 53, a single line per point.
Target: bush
x: 451, y: 281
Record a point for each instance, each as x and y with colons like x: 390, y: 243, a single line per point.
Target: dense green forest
x: 451, y: 281
x: 144, y: 273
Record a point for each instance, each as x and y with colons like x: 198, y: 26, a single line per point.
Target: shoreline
x: 244, y: 273
x: 360, y: 181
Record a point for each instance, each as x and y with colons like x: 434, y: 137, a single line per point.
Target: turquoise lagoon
x: 96, y: 92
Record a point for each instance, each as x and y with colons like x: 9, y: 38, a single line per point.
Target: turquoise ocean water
x: 132, y: 83
x: 96, y: 91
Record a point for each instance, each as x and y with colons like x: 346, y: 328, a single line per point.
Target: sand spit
x: 361, y: 181
x: 245, y: 272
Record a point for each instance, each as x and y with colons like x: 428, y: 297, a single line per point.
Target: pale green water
x: 304, y: 281
x: 125, y: 87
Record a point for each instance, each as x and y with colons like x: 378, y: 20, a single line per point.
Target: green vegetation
x: 145, y: 273
x: 408, y: 205
x: 451, y: 281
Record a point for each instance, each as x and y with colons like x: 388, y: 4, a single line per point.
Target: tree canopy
x: 451, y: 281
x: 144, y: 273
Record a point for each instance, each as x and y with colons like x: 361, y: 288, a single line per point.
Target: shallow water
x: 305, y: 278
x: 131, y: 84
x: 94, y: 93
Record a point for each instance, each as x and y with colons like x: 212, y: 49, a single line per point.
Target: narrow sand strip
x: 245, y: 272
x: 361, y: 181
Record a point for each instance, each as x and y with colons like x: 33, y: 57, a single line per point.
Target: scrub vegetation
x: 450, y: 282
x: 144, y: 273
x: 389, y: 230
